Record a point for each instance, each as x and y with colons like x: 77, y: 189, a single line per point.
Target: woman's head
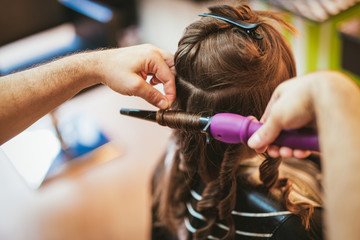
x: 222, y: 69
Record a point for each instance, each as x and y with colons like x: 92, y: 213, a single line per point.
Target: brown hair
x: 222, y: 69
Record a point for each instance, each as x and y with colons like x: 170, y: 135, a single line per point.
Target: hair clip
x: 248, y: 28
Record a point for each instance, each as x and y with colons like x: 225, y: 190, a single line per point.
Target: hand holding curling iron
x: 226, y: 127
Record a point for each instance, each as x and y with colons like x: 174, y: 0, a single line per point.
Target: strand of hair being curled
x: 179, y: 120
x: 220, y: 69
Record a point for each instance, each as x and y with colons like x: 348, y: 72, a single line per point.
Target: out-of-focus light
x: 90, y: 9
x: 36, y: 46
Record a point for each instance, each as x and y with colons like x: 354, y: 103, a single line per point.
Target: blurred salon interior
x: 85, y: 147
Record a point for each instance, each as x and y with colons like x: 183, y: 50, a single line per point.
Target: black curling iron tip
x: 142, y: 114
x: 125, y: 111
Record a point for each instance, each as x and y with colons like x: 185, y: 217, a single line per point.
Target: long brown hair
x: 222, y: 69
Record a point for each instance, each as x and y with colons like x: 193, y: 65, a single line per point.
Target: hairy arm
x: 338, y: 120
x: 27, y: 96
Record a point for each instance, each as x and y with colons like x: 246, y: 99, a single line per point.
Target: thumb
x: 265, y: 135
x: 152, y: 95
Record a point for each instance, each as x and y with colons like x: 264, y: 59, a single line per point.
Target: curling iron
x: 226, y: 127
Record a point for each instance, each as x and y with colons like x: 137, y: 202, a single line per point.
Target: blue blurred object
x: 91, y: 9
x: 80, y: 135
x: 46, y: 145
x: 97, y: 25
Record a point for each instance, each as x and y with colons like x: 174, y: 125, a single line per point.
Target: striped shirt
x: 256, y: 217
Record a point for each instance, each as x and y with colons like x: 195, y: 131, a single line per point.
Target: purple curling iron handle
x: 233, y: 128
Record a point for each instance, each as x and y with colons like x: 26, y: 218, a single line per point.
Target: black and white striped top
x: 256, y: 217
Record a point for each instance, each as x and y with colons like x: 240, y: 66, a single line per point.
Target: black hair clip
x: 248, y: 28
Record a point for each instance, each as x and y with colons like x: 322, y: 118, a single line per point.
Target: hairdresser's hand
x: 290, y: 107
x: 125, y: 70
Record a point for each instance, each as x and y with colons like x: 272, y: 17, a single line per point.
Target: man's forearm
x: 338, y: 117
x: 27, y: 96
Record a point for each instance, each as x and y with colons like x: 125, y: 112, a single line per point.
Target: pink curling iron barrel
x: 226, y: 127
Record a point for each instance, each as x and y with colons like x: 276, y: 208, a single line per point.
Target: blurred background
x: 39, y: 30
x: 88, y: 131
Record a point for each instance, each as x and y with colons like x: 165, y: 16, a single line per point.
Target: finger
x: 286, y: 152
x: 261, y: 150
x: 273, y: 151
x: 164, y: 75
x: 301, y: 153
x: 152, y: 95
x: 154, y: 81
x: 168, y: 58
x: 265, y: 135
x: 275, y: 96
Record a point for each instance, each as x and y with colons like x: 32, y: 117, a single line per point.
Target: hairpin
x: 248, y: 28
